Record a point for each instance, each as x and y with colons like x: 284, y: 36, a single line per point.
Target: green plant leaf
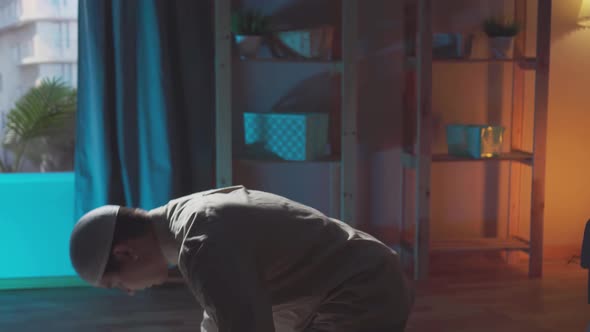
x: 498, y: 27
x: 46, y: 111
x: 250, y: 23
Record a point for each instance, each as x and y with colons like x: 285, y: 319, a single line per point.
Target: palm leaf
x: 44, y: 112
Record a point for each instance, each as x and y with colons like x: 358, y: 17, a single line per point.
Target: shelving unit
x: 345, y: 164
x: 418, y: 157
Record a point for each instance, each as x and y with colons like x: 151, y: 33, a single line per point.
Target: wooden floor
x: 94, y: 310
x: 479, y: 294
x: 473, y: 294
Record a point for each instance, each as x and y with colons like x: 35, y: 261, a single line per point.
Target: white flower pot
x: 248, y: 45
x: 501, y: 47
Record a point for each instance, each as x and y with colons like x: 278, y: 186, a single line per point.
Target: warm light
x: 584, y: 15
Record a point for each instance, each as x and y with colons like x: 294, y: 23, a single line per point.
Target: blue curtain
x: 145, y: 102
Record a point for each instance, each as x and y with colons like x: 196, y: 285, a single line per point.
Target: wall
x: 567, y: 186
x: 568, y: 183
x: 289, y: 87
x: 379, y: 119
x: 470, y: 200
x: 467, y: 199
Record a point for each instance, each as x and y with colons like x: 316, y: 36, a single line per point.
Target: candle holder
x: 474, y: 141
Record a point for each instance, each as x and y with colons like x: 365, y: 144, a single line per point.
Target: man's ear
x: 124, y: 253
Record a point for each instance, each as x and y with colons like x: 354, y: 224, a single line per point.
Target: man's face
x: 141, y: 265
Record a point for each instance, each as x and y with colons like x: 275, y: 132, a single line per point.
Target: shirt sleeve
x: 226, y: 282
x: 208, y: 325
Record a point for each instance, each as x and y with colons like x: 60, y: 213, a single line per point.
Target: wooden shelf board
x: 408, y: 159
x: 528, y: 63
x: 291, y: 61
x: 506, y: 156
x: 329, y: 160
x: 474, y: 244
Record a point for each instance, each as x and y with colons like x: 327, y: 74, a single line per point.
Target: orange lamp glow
x: 584, y: 15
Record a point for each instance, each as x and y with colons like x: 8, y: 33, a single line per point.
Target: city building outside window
x: 38, y: 54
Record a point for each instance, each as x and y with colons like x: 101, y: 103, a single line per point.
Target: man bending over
x: 255, y: 261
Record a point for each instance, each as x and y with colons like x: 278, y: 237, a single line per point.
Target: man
x: 255, y: 261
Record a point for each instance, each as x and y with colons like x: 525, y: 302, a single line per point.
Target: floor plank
x: 89, y: 310
x: 471, y: 293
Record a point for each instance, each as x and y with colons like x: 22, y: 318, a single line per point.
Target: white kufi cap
x: 91, y: 241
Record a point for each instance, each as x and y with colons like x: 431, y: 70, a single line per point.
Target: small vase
x: 248, y: 45
x: 46, y: 163
x: 501, y: 47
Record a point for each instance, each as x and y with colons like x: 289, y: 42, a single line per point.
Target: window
x: 21, y: 50
x: 44, y: 48
x: 64, y: 34
x: 15, y: 54
x: 67, y: 34
x: 9, y: 11
x: 66, y: 73
x: 18, y: 93
x: 34, y: 40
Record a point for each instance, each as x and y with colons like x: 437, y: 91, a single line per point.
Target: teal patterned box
x: 287, y: 136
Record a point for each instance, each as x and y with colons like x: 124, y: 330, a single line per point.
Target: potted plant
x: 249, y: 28
x: 501, y: 36
x: 41, y: 128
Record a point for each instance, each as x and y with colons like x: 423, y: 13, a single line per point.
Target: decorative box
x: 313, y: 43
x: 451, y: 45
x: 288, y: 136
x: 474, y: 141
